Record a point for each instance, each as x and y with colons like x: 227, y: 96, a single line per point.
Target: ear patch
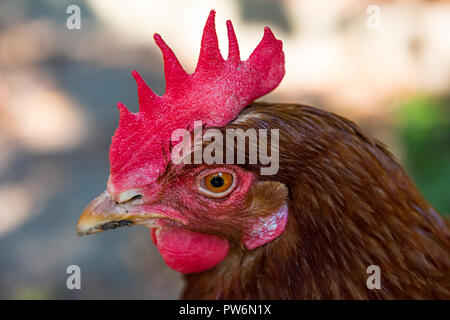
x: 267, y: 229
x: 268, y: 200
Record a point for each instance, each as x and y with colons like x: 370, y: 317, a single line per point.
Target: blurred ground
x: 59, y: 87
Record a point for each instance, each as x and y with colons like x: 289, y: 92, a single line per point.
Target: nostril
x: 136, y: 197
x: 127, y: 196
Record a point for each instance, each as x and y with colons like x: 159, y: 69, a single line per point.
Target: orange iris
x: 218, y: 182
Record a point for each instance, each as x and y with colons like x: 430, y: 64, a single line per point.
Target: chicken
x: 337, y: 204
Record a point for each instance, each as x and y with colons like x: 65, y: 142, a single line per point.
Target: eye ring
x: 217, y: 184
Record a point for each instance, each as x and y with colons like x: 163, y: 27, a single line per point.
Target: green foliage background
x: 423, y: 124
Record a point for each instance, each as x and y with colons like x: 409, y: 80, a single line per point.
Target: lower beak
x: 104, y: 214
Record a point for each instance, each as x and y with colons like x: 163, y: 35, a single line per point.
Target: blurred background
x: 59, y: 88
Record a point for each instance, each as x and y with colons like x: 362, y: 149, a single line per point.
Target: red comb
x: 215, y: 94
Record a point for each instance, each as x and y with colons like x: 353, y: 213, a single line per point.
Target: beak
x: 104, y: 214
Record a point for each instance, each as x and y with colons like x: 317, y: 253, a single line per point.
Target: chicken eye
x: 217, y: 185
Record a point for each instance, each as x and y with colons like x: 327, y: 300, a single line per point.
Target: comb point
x: 123, y: 110
x: 210, y: 57
x: 146, y: 96
x: 233, y: 46
x: 173, y: 71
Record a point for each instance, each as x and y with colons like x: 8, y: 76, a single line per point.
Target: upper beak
x: 105, y: 214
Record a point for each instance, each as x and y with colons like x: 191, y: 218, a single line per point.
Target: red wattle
x: 187, y: 251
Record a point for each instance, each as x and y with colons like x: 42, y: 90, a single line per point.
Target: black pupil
x: 217, y: 181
